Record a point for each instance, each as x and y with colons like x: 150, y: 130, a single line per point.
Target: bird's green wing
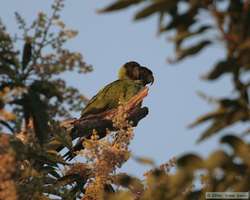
x: 95, y: 105
x: 110, y: 96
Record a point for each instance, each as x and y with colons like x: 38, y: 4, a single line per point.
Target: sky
x: 109, y: 40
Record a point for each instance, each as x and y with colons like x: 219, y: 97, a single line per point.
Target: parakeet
x: 132, y: 77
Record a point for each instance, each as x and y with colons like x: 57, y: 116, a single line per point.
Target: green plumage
x: 132, y: 77
x: 119, y: 91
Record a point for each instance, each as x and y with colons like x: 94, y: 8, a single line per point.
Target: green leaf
x: 217, y: 159
x: 207, y: 117
x: 181, y: 179
x: 50, y: 170
x: 130, y: 182
x: 54, y: 157
x: 182, y: 35
x: 213, y: 129
x: 118, y: 5
x: 238, y: 145
x: 19, y: 148
x: 221, y: 68
x: 155, y: 7
x: 230, y: 117
x: 65, y: 139
x: 144, y: 161
x: 190, y: 161
x: 6, y: 70
x: 232, y: 140
x: 192, y: 50
x: 68, y: 179
x: 180, y: 22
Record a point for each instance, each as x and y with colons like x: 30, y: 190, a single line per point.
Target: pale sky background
x: 109, y: 40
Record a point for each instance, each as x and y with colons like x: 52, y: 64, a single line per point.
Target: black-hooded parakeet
x: 132, y: 77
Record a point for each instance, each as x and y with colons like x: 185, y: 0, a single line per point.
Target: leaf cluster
x: 30, y: 84
x: 194, y: 176
x: 33, y: 100
x: 193, y: 26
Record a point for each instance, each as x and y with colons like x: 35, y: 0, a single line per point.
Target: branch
x: 84, y: 126
x: 102, y: 121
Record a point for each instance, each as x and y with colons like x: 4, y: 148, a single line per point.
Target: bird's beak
x: 150, y: 79
x: 146, y: 75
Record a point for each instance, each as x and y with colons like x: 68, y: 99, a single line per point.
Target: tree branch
x: 84, y: 126
x: 102, y: 121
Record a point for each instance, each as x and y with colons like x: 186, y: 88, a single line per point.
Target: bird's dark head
x: 134, y: 71
x: 146, y: 75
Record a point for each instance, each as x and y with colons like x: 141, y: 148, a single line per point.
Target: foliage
x: 35, y: 108
x: 228, y: 24
x: 7, y: 170
x: 30, y: 81
x: 193, y: 26
x: 34, y: 101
